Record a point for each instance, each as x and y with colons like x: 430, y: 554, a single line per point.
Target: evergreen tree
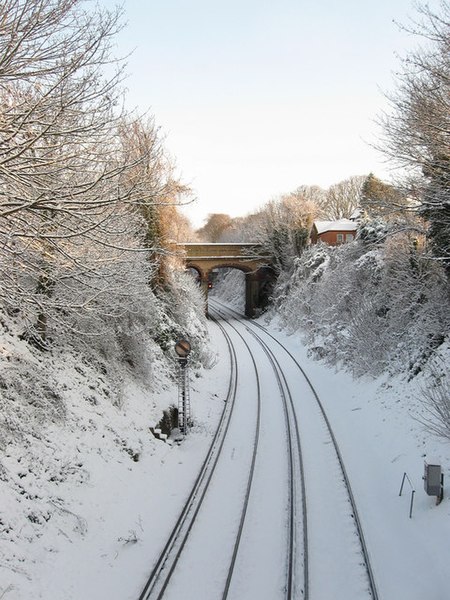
x: 379, y: 199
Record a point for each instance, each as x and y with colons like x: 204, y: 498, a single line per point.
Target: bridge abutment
x: 251, y: 294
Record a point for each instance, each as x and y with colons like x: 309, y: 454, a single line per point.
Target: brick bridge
x: 247, y: 257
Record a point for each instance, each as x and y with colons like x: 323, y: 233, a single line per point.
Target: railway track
x: 290, y: 588
x: 300, y: 548
x: 166, y: 564
x: 165, y: 568
x: 362, y: 552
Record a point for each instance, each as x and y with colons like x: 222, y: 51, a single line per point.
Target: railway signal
x: 183, y: 349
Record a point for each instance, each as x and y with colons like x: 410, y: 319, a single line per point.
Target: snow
x: 380, y: 441
x: 88, y: 502
x: 82, y: 502
x: 229, y: 286
x: 212, y: 539
x: 339, y: 225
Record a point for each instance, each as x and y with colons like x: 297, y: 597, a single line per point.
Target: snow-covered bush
x: 128, y: 327
x: 372, y: 230
x: 435, y: 397
x: 377, y: 308
x: 182, y: 315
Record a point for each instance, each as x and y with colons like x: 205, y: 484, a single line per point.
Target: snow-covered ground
x: 86, y: 505
x: 380, y: 438
x: 85, y: 500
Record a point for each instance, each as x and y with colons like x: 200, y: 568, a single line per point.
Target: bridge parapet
x: 227, y: 250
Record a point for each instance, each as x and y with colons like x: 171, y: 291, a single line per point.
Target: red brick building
x: 333, y: 232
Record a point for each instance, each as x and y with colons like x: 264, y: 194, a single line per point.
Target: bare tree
x: 243, y: 229
x: 417, y: 129
x: 312, y: 193
x: 73, y: 188
x: 342, y: 199
x: 435, y: 396
x: 215, y: 227
x: 285, y: 224
x: 255, y: 226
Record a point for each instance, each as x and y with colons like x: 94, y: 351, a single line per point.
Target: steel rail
x: 203, y: 479
x: 282, y: 384
x: 282, y: 379
x: 250, y: 474
x: 356, y: 517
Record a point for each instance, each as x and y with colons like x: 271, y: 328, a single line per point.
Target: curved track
x: 166, y: 564
x: 362, y: 552
x: 166, y: 569
x: 296, y: 538
x: 168, y: 558
x: 289, y: 588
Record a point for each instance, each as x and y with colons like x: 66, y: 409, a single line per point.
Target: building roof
x: 339, y: 225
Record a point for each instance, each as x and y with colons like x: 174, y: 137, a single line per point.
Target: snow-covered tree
x: 81, y: 185
x: 417, y: 129
x: 284, y: 227
x: 378, y: 308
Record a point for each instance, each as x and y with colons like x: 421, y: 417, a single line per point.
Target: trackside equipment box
x: 432, y: 479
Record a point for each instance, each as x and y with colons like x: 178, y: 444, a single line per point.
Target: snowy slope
x: 82, y: 479
x: 88, y: 496
x: 375, y: 421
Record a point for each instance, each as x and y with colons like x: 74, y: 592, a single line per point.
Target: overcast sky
x: 257, y: 97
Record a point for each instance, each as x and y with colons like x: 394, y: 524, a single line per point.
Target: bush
x: 378, y: 309
x: 435, y: 397
x: 169, y: 420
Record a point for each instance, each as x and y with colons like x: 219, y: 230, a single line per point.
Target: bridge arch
x: 204, y: 258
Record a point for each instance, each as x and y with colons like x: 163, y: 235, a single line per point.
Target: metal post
x: 413, y: 491
x: 184, y: 408
x: 411, y: 505
x: 183, y: 349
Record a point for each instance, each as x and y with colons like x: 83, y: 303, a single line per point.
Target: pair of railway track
x: 308, y: 569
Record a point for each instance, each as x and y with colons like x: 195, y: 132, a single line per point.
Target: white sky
x: 257, y: 97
